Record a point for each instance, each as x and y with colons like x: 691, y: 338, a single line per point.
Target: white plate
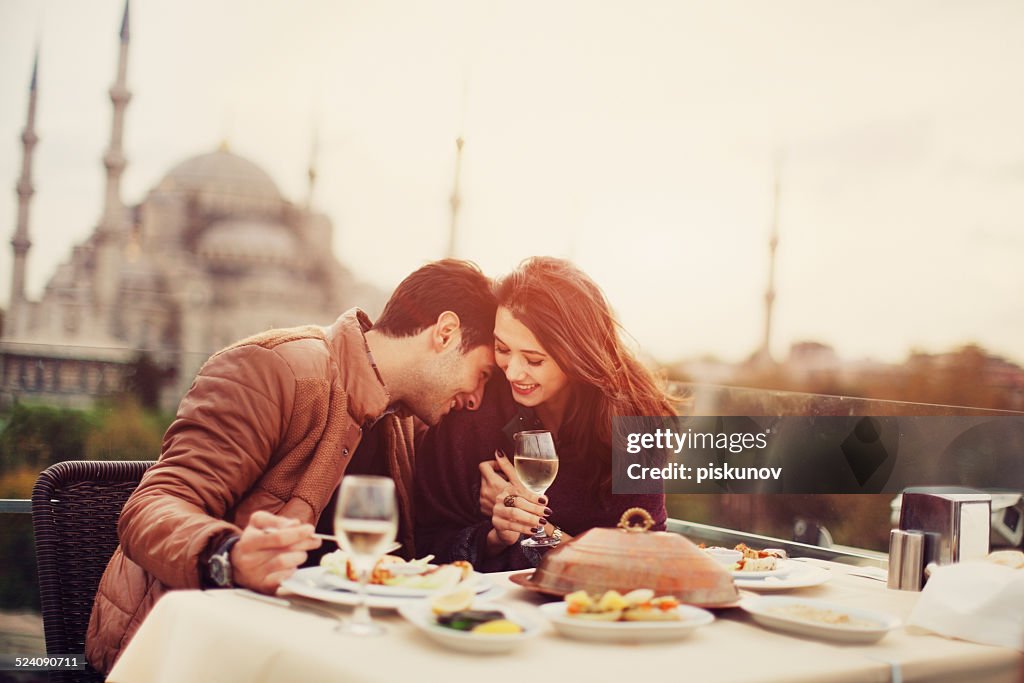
x: 344, y: 583
x: 420, y: 615
x: 761, y: 609
x: 802, y: 576
x: 783, y: 567
x: 310, y: 582
x: 626, y: 631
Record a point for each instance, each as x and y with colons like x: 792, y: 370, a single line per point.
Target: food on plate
x: 750, y: 553
x: 657, y: 609
x: 1014, y: 559
x: 448, y: 602
x: 818, y: 615
x: 757, y: 564
x: 582, y: 606
x: 498, y: 626
x: 752, y: 556
x: 483, y: 621
x: 469, y: 619
x: 393, y: 571
x: 636, y: 605
x: 752, y: 560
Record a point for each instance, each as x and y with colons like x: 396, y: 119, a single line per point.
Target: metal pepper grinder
x: 906, y: 560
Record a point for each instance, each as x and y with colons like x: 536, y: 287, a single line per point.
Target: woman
x: 565, y: 370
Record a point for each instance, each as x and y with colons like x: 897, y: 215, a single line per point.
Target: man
x: 268, y: 429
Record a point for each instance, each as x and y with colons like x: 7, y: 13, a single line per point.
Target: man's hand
x: 492, y: 483
x: 270, y: 550
x: 529, y: 512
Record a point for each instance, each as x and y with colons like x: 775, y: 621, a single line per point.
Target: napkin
x: 977, y: 601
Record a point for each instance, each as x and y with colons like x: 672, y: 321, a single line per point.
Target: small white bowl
x: 421, y: 616
x: 724, y: 556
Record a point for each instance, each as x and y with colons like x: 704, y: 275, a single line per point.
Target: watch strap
x: 221, y: 554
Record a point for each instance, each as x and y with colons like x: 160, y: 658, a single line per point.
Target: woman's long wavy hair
x: 571, y: 318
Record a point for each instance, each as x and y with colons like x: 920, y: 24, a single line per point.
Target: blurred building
x: 213, y: 253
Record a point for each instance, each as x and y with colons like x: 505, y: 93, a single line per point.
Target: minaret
x: 455, y: 199
x: 311, y: 171
x: 765, y: 353
x: 15, y: 322
x: 111, y: 231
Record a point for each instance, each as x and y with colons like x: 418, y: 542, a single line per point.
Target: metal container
x: 956, y: 525
x: 906, y: 560
x: 630, y: 557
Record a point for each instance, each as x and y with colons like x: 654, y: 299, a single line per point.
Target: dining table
x: 230, y: 635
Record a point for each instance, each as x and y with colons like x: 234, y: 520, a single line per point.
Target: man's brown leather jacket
x: 270, y: 423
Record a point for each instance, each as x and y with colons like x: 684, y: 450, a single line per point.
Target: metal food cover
x: 631, y: 557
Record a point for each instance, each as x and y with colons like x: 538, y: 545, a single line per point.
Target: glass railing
x: 713, y: 399
x: 21, y: 625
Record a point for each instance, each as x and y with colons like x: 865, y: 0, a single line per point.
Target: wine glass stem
x: 361, y: 615
x: 542, y: 533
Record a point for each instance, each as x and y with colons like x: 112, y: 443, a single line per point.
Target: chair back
x: 75, y: 508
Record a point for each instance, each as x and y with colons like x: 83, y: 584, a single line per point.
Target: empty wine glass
x: 365, y: 521
x: 536, y: 464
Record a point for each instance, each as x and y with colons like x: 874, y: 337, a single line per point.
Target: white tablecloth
x: 221, y: 636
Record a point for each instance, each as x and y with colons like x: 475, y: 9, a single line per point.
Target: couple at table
x: 271, y: 424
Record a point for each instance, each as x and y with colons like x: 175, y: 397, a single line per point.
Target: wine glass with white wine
x: 536, y: 464
x: 365, y: 521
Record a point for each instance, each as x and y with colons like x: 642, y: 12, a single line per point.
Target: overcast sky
x: 636, y: 138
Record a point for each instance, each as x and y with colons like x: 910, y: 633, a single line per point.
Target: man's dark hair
x: 446, y: 285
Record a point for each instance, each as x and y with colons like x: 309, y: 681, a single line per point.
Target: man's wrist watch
x: 218, y: 567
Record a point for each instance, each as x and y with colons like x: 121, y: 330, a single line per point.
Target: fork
x: 333, y: 539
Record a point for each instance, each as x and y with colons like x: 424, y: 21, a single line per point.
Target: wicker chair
x: 75, y: 507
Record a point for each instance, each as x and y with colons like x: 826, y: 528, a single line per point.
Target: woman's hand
x: 514, y: 509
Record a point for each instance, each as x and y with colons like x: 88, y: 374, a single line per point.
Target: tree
x: 36, y: 437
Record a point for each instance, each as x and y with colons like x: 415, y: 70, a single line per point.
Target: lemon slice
x: 498, y: 626
x: 453, y: 601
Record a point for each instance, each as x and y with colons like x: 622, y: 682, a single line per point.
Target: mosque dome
x: 221, y: 173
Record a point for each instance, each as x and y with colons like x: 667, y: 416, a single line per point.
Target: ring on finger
x: 510, y: 500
